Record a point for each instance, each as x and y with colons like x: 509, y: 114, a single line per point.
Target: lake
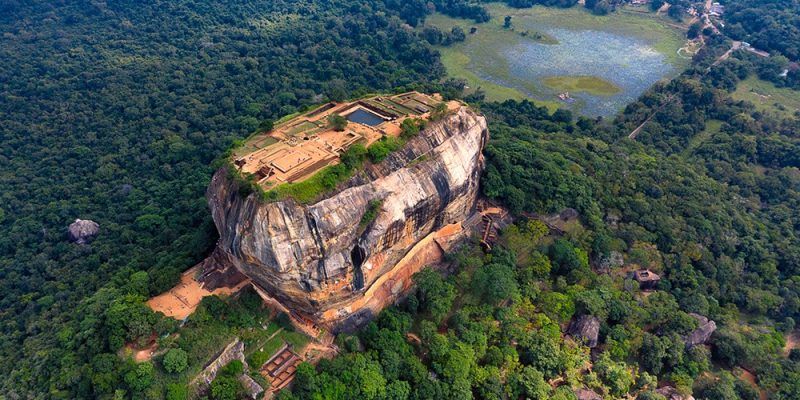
x: 603, y: 65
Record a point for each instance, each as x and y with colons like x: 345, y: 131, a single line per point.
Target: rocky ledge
x: 318, y: 261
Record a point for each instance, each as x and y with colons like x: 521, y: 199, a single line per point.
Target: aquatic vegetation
x: 604, y: 62
x: 589, y: 84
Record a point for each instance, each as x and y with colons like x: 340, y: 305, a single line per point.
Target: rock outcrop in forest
x: 328, y: 263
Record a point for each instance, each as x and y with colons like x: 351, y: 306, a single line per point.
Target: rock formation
x: 671, y: 393
x: 233, y: 351
x: 83, y: 231
x: 703, y: 332
x: 318, y: 262
x: 586, y: 394
x: 585, y: 329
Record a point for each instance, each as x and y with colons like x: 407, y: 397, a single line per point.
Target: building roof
x: 645, y: 275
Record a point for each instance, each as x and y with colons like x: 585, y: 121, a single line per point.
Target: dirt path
x: 638, y: 129
x: 736, y: 46
x: 792, y: 342
x: 748, y: 377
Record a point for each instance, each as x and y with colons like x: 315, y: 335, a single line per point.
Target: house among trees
x: 648, y: 280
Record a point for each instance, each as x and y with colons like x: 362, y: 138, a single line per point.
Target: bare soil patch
x: 181, y: 301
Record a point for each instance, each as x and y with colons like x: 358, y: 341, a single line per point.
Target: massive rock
x: 705, y: 328
x: 585, y: 329
x: 319, y: 262
x: 83, y: 231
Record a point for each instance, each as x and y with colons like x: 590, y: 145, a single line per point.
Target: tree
x: 530, y: 384
x: 354, y: 156
x: 337, y: 122
x: 177, y: 391
x: 266, y: 125
x: 409, y: 128
x: 433, y: 35
x: 398, y: 390
x: 175, y: 361
x: 652, y: 354
x: 457, y: 34
x: 601, y: 8
x: 140, y: 377
x: 438, y: 112
x: 616, y: 375
x: 507, y: 22
x: 435, y: 294
x: 495, y: 282
x: 225, y: 388
x: 694, y: 30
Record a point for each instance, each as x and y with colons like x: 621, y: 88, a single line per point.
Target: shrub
x: 382, y: 148
x: 175, y: 361
x: 410, y: 128
x: 354, y: 156
x: 337, y: 122
x: 176, y: 391
x: 225, y: 388
x: 371, y: 213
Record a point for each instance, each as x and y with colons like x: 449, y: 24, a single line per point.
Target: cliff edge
x: 321, y: 260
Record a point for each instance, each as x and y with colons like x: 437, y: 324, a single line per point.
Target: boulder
x: 614, y: 259
x: 585, y: 329
x: 672, y: 394
x: 83, y: 231
x: 703, y: 332
x: 586, y: 394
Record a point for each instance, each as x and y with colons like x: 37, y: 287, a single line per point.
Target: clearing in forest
x: 766, y: 97
x: 181, y: 301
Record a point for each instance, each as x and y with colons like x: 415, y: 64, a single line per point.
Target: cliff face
x: 316, y: 259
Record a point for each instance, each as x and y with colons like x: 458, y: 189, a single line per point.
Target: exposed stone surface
x: 316, y: 260
x: 252, y: 387
x: 614, y: 259
x: 672, y: 394
x: 703, y: 332
x: 83, y: 231
x: 586, y: 394
x: 585, y: 329
x: 233, y: 351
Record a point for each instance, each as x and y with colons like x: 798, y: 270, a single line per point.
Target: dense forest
x: 114, y: 111
x: 770, y: 25
x: 717, y: 218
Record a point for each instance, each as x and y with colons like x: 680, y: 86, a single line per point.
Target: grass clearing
x: 712, y: 127
x: 767, y: 98
x: 308, y: 190
x: 588, y: 84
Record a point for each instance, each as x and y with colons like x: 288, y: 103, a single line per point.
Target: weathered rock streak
x: 316, y: 258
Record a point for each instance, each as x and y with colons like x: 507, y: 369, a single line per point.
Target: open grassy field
x: 767, y: 98
x: 588, y: 84
x: 487, y: 58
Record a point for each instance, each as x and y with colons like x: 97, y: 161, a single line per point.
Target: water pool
x: 365, y: 117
